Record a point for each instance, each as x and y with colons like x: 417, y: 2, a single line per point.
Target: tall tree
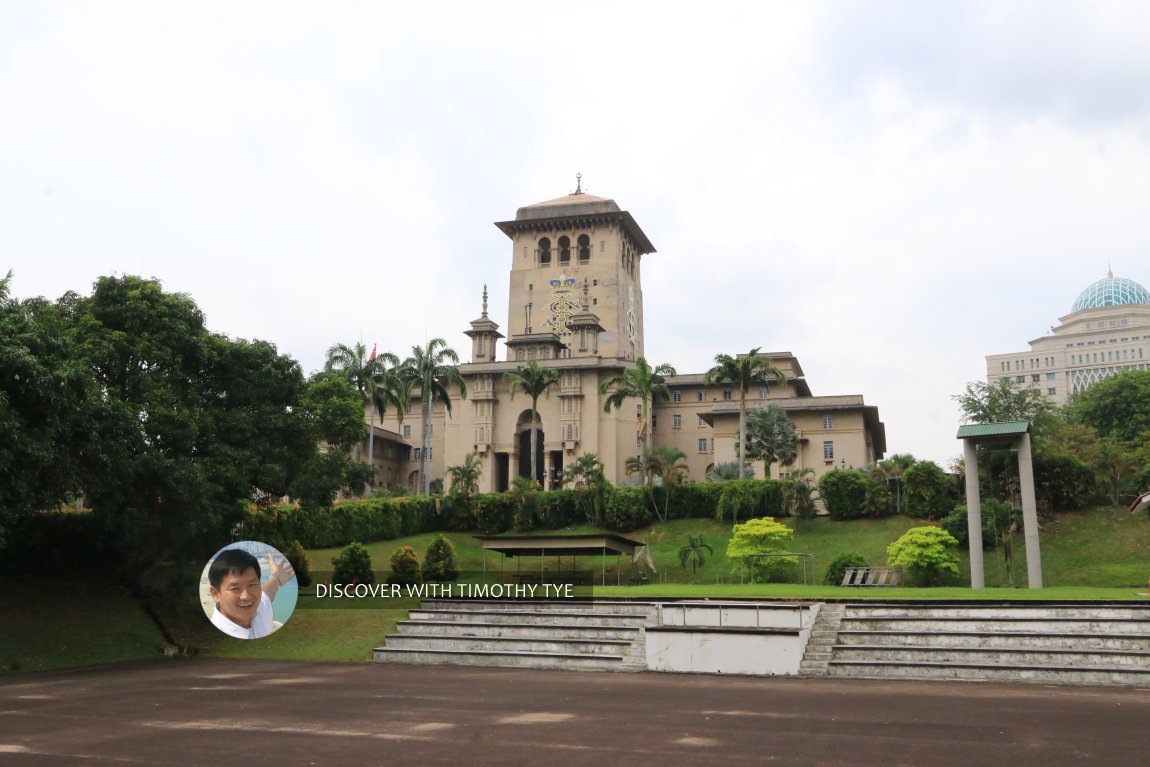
x: 534, y: 380
x: 743, y: 372
x: 642, y: 382
x: 982, y: 402
x: 373, y: 377
x: 771, y: 436
x: 692, y: 551
x: 433, y: 368
x: 1117, y: 407
x: 46, y: 399
x: 666, y: 464
x: 586, y: 477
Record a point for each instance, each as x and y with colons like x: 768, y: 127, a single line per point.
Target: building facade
x: 1107, y: 331
x: 576, y: 304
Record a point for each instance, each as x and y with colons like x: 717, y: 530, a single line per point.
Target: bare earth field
x: 250, y: 712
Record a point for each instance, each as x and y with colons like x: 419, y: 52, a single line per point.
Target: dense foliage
x: 837, y: 569
x: 930, y: 554
x: 352, y: 566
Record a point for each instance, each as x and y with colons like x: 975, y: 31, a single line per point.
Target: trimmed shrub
x: 997, y: 516
x: 837, y: 569
x: 439, y: 561
x: 929, y: 491
x: 762, y: 536
x: 352, y: 566
x: 300, y: 563
x: 405, y: 567
x: 844, y: 492
x: 695, y: 500
x: 627, y: 508
x: 742, y: 499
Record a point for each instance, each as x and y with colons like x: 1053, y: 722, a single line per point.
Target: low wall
x: 730, y: 638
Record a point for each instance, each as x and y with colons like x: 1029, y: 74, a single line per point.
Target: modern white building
x: 1107, y: 331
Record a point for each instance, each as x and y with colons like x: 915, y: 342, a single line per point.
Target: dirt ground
x: 249, y: 713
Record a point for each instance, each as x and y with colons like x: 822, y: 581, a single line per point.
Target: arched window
x: 584, y: 248
x: 564, y: 250
x: 545, y: 252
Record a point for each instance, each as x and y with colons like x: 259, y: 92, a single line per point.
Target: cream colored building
x: 576, y: 304
x: 1107, y: 331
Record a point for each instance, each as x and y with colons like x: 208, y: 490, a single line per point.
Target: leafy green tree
x: 522, y: 492
x: 439, y: 561
x: 465, y: 477
x: 982, y: 402
x: 368, y: 374
x: 877, y: 498
x: 930, y: 554
x: 771, y: 437
x: 332, y: 416
x: 894, y: 468
x: 692, y: 551
x: 743, y: 372
x: 405, y: 569
x: 798, y: 492
x: 1117, y: 407
x: 928, y: 491
x: 352, y: 566
x: 760, y: 536
x: 300, y: 563
x: 46, y: 407
x: 534, y: 380
x: 189, y: 426
x: 643, y: 382
x: 433, y: 368
x: 586, y: 478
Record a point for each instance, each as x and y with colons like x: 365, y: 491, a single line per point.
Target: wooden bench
x: 872, y: 576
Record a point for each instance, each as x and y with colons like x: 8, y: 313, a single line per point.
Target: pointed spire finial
x: 1109, y: 270
x: 485, y: 300
x: 578, y: 183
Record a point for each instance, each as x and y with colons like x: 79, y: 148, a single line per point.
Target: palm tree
x: 744, y: 371
x: 585, y: 475
x: 667, y: 464
x: 692, y: 551
x: 771, y: 436
x: 895, y: 467
x: 642, y: 381
x: 727, y: 471
x: 465, y: 477
x: 433, y: 369
x: 798, y: 492
x: 366, y: 373
x: 533, y: 379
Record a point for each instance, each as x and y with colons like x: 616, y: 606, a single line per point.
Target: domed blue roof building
x: 1111, y: 291
x: 1106, y: 332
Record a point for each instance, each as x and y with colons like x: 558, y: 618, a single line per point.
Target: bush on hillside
x: 405, y: 567
x: 929, y: 553
x: 352, y: 566
x: 837, y: 569
x: 439, y: 561
x: 844, y: 492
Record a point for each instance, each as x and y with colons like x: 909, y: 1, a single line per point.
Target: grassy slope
x: 1100, y: 554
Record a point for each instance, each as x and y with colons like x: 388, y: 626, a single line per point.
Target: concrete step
x: 1000, y: 639
x: 613, y: 607
x: 508, y: 644
x: 1000, y: 657
x: 997, y: 612
x: 939, y: 624
x: 530, y: 616
x: 991, y: 673
x: 529, y: 630
x: 574, y: 661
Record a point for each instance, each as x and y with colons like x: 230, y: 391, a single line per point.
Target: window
x: 1051, y: 376
x: 407, y: 430
x: 417, y: 453
x: 564, y: 250
x: 702, y: 423
x: 1052, y: 391
x: 828, y: 422
x: 828, y: 450
x: 654, y: 422
x: 701, y: 394
x: 703, y: 445
x: 726, y: 393
x: 545, y: 252
x: 676, y: 421
x: 1035, y: 378
x: 676, y: 396
x: 584, y: 248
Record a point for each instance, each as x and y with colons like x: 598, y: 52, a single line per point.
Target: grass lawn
x: 67, y: 622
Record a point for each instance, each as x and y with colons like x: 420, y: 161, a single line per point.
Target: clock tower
x: 574, y: 257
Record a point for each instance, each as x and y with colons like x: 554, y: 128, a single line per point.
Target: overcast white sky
x: 890, y: 190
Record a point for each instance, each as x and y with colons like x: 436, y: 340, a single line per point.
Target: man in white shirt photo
x: 243, y: 605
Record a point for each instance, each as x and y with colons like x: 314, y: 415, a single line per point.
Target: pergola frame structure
x: 543, y: 546
x: 1009, y: 434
